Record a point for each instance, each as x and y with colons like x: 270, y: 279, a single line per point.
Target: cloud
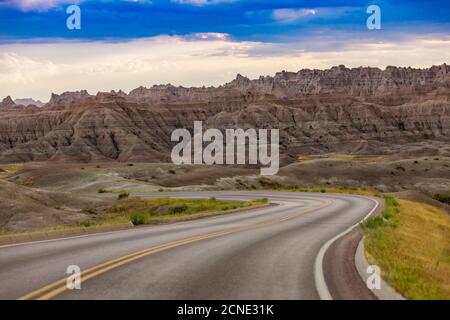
x: 202, y: 2
x: 37, y: 5
x: 207, y: 36
x: 37, y: 69
x: 292, y: 15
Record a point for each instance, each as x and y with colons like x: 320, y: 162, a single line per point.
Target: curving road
x: 266, y: 253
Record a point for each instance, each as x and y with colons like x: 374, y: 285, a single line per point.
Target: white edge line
x: 319, y: 277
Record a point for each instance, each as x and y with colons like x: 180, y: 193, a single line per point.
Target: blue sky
x: 255, y: 20
x: 123, y: 44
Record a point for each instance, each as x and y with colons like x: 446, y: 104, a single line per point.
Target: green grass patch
x: 410, y: 242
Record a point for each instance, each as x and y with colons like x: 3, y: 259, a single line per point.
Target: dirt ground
x: 43, y: 194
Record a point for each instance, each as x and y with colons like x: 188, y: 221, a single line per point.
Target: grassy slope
x: 164, y: 210
x: 411, y: 244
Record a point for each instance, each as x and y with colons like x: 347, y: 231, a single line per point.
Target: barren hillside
x: 360, y: 110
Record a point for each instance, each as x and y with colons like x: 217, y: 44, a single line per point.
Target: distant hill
x: 28, y: 101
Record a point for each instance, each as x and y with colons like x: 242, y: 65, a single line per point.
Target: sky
x: 124, y: 44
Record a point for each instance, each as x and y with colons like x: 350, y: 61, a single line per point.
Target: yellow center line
x: 58, y: 287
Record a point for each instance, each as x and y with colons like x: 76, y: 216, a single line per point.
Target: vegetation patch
x: 9, y: 169
x: 343, y: 157
x: 164, y: 210
x: 123, y: 195
x: 410, y: 242
x: 101, y: 190
x: 444, y: 198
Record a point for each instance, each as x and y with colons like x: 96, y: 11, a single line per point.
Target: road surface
x: 265, y: 253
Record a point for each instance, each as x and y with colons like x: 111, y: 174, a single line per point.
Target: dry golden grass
x: 344, y: 190
x: 343, y: 157
x: 413, y: 250
x: 8, y: 169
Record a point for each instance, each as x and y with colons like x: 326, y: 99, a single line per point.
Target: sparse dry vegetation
x: 8, y: 169
x: 344, y: 157
x: 164, y: 210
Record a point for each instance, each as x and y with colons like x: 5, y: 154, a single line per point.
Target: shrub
x: 178, y: 209
x: 293, y: 187
x: 101, y: 190
x: 90, y: 210
x: 87, y: 223
x: 387, y: 214
x: 372, y: 223
x: 263, y: 200
x: 139, y: 218
x: 123, y: 195
x: 390, y: 201
x: 445, y: 198
x: 212, y: 199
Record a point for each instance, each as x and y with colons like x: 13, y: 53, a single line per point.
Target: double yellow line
x: 58, y: 287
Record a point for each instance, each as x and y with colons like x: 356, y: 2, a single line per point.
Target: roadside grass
x: 273, y: 185
x: 343, y: 157
x: 410, y: 242
x: 165, y: 210
x: 144, y: 211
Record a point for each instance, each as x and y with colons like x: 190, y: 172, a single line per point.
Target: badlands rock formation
x: 352, y: 110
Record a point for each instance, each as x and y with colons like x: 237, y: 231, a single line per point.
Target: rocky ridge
x: 354, y: 110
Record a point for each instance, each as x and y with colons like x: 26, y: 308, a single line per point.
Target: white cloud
x: 37, y: 69
x: 293, y: 15
x: 202, y: 2
x: 208, y: 36
x: 39, y: 5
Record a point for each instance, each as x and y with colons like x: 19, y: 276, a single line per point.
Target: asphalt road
x: 265, y: 253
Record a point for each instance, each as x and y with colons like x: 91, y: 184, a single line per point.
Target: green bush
x: 374, y: 222
x: 123, y: 195
x: 445, y: 198
x: 388, y: 214
x: 139, y: 218
x: 390, y: 201
x: 178, y: 209
x: 212, y: 199
x: 101, y: 190
x: 87, y: 223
